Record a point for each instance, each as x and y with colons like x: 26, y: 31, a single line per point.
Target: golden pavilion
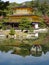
x: 23, y: 12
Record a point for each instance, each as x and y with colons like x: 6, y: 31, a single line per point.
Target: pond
x: 25, y: 52
x: 12, y: 55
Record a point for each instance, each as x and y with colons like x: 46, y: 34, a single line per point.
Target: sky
x: 18, y: 1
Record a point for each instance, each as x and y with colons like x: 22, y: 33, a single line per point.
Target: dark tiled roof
x: 25, y: 15
x: 24, y: 6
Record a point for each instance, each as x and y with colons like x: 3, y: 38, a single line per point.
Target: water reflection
x: 35, y: 50
x: 21, y: 51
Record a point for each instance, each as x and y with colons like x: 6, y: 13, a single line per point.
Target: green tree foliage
x: 40, y: 8
x: 24, y: 24
x: 44, y: 7
x: 3, y: 8
x: 12, y: 31
x: 32, y: 3
x: 42, y: 25
x: 11, y: 6
x: 4, y: 27
x: 37, y: 4
x: 1, y: 25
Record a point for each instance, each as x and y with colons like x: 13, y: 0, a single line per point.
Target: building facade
x: 23, y: 12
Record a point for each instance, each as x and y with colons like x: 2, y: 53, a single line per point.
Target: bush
x: 12, y: 31
x: 4, y: 27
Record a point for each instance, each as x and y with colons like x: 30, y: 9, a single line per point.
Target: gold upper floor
x: 22, y: 11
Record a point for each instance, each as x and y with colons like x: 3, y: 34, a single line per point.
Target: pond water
x: 24, y: 52
x: 10, y: 55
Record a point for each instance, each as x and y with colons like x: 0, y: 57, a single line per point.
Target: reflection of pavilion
x: 36, y: 50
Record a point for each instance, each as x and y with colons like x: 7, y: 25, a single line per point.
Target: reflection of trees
x: 45, y: 48
x: 5, y: 48
x: 22, y: 51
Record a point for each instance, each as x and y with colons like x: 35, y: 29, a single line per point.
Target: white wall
x: 36, y: 26
x: 36, y: 35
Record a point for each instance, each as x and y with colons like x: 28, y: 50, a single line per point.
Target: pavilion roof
x: 25, y: 15
x: 24, y: 6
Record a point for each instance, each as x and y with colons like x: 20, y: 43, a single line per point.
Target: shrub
x: 12, y: 31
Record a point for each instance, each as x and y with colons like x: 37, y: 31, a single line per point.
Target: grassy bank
x: 43, y: 39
